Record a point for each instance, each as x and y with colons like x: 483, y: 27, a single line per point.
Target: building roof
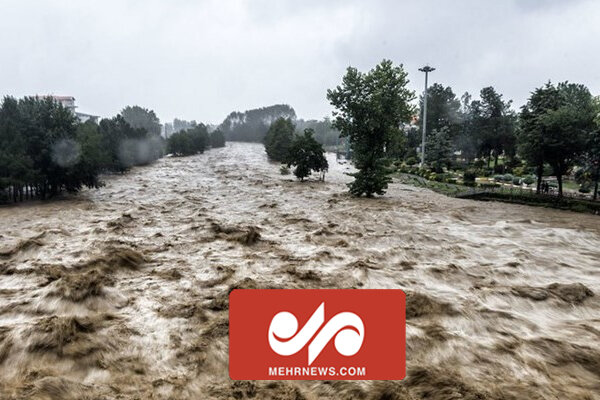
x: 55, y: 97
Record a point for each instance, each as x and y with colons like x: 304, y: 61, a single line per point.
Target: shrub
x: 519, y: 171
x: 498, y: 178
x: 284, y: 170
x: 507, y: 178
x: 516, y: 180
x: 528, y: 180
x: 479, y: 163
x: 584, y: 189
x: 411, y: 161
x: 498, y: 169
x: 469, y: 176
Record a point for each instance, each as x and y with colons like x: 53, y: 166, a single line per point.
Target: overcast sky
x: 201, y: 60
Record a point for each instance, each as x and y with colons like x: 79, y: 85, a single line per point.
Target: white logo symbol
x: 347, y: 341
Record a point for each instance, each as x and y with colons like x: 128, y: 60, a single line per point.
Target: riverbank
x: 502, y: 194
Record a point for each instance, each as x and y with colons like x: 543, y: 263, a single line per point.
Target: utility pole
x: 427, y: 69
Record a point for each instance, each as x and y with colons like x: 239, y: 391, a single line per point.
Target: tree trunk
x: 559, y: 179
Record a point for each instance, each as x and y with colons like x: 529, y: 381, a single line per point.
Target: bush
x: 498, y: 178
x: 528, y: 180
x: 507, y: 178
x: 411, y: 161
x: 498, y: 169
x: 284, y: 170
x: 520, y: 171
x: 469, y: 176
x: 516, y: 180
x: 479, y: 163
x: 584, y: 189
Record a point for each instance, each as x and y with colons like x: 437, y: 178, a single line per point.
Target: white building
x: 69, y: 103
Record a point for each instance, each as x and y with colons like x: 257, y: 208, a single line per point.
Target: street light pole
x: 427, y: 69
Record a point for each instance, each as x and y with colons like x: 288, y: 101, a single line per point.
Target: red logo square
x: 333, y: 334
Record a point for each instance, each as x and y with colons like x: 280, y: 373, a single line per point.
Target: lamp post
x: 427, y: 69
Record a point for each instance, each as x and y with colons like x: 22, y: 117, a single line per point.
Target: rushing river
x: 121, y: 292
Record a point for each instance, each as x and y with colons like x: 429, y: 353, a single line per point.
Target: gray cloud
x: 201, y: 60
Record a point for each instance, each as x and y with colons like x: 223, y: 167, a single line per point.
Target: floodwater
x: 121, y: 293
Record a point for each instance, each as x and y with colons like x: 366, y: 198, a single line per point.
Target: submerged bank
x: 122, y: 292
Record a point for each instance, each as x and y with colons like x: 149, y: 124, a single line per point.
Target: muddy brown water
x: 121, y: 293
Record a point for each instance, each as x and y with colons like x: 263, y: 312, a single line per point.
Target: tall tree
x: 370, y: 108
x: 495, y: 124
x: 307, y: 155
x: 139, y: 117
x: 556, y: 124
x: 279, y: 139
x: 217, y: 139
x: 443, y: 110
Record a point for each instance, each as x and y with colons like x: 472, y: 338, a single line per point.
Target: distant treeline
x: 194, y: 140
x: 252, y: 125
x: 44, y: 150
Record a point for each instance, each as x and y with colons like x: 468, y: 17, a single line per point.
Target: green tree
x: 252, y: 125
x: 139, y: 117
x: 217, y: 139
x: 370, y: 108
x: 306, y: 155
x: 180, y: 144
x: 279, y: 138
x: 43, y: 150
x: 494, y: 124
x: 439, y: 145
x: 188, y: 142
x: 556, y: 125
x: 443, y: 112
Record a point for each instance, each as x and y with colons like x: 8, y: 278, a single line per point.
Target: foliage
x: 284, y: 170
x: 438, y: 152
x: 556, y: 125
x: 370, y: 108
x: 125, y: 146
x: 217, y: 139
x: 188, y: 142
x: 307, y: 155
x: 279, y: 139
x: 324, y: 132
x: 411, y: 161
x: 469, y: 176
x: 43, y: 150
x: 252, y: 125
x: 142, y: 118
